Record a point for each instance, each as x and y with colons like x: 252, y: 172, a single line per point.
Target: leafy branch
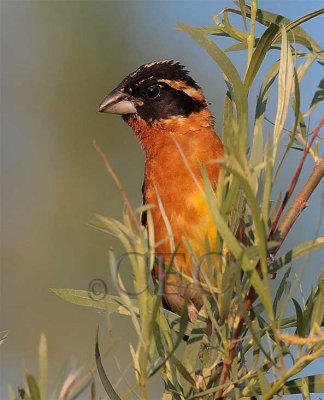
x: 287, y: 222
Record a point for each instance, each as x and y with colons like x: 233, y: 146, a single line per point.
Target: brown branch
x: 115, y: 178
x: 294, y: 180
x: 282, y: 231
x: 300, y: 202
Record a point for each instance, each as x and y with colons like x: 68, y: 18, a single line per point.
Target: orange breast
x: 181, y: 210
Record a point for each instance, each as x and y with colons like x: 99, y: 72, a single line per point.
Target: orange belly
x: 181, y: 216
x: 183, y: 225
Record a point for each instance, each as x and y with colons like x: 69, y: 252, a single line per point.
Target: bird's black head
x: 155, y: 91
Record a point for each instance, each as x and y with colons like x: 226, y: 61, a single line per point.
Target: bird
x: 170, y: 117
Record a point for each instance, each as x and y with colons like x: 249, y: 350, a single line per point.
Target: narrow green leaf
x: 283, y: 288
x: 222, y: 226
x: 191, y: 354
x: 228, y: 118
x: 257, y: 151
x: 84, y: 298
x: 113, y: 304
x: 318, y: 97
x: 255, y: 345
x: 205, y: 394
x: 226, y: 296
x: 299, y: 35
x: 300, y: 318
x: 295, y: 101
x: 210, y: 30
x: 309, y: 310
x: 256, y: 337
x: 32, y: 387
x: 259, y: 54
x: 163, y: 344
x: 125, y: 299
x: 264, y: 384
x: 233, y: 76
x: 232, y: 31
x: 155, y: 309
x: 318, y: 305
x: 243, y: 13
x: 285, y: 80
x: 294, y: 24
x: 182, y: 330
x: 183, y: 371
x: 299, y: 251
x: 102, y: 373
x: 267, y: 186
x: 305, y: 390
x: 315, y: 384
x: 262, y: 288
x: 236, y: 47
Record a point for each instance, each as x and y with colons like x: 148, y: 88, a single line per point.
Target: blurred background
x: 58, y: 60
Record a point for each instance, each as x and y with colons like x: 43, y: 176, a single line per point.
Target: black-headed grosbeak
x: 170, y: 117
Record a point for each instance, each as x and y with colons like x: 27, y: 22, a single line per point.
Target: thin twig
x: 284, y: 227
x: 300, y: 201
x: 115, y: 178
x: 294, y: 181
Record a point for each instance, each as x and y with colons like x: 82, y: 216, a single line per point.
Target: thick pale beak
x: 118, y: 102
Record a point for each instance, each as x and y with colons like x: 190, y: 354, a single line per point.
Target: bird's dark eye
x: 152, y: 91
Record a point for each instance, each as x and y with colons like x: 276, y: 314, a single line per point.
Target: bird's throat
x: 165, y: 132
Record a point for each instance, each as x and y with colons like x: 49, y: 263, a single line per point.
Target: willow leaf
x: 233, y: 76
x: 318, y: 309
x: 301, y: 36
x: 259, y: 54
x: 114, y: 304
x: 300, y: 318
x: 318, y: 97
x: 243, y: 13
x: 211, y: 30
x: 257, y: 151
x: 32, y: 387
x: 221, y: 224
x: 232, y: 31
x: 285, y: 80
x: 284, y: 284
x: 315, y: 384
x: 166, y: 332
x: 183, y: 371
x: 83, y: 298
x: 299, y: 251
x: 191, y: 355
x: 102, y: 373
